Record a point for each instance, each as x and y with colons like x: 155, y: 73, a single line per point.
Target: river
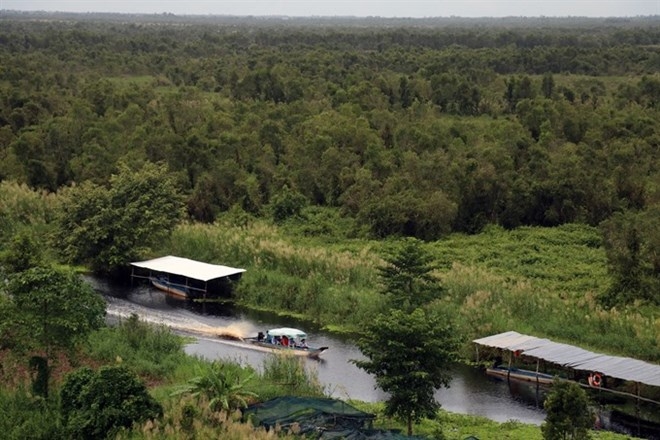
x: 470, y: 391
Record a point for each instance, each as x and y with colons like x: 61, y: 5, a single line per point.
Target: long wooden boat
x: 285, y: 340
x: 519, y: 374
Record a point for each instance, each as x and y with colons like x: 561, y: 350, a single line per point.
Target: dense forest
x: 406, y: 127
x: 415, y: 131
x: 501, y: 173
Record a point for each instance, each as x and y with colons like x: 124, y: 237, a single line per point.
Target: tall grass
x: 23, y: 416
x: 318, y: 282
x: 450, y: 426
x: 151, y: 351
x: 288, y: 375
x: 541, y: 281
x: 188, y: 419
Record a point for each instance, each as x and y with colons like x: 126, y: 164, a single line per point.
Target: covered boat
x: 286, y: 340
x: 186, y: 278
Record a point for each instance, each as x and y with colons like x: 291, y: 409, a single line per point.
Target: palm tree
x: 222, y: 385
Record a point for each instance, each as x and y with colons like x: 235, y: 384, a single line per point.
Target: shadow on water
x: 471, y: 391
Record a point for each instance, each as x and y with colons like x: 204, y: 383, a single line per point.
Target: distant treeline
x: 409, y: 127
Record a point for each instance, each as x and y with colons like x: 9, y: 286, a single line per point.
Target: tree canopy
x: 406, y: 276
x: 568, y: 414
x: 51, y: 310
x: 404, y: 127
x: 419, y: 130
x: 96, y: 404
x: 109, y: 227
x: 410, y: 354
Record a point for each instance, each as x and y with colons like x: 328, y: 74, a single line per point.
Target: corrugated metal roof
x: 575, y: 357
x: 188, y: 268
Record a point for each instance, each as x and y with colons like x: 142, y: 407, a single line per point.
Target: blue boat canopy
x: 576, y: 358
x: 196, y: 270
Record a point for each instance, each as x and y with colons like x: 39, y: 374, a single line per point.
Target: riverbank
x: 470, y: 391
x: 539, y: 281
x: 454, y: 426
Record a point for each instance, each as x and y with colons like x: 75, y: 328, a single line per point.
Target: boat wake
x: 185, y: 323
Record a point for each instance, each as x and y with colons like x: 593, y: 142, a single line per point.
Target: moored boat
x: 502, y: 372
x: 163, y: 284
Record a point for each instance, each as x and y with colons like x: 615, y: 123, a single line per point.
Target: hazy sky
x: 360, y: 8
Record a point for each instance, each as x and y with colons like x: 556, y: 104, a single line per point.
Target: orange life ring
x: 595, y: 380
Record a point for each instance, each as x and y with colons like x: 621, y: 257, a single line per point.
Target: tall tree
x: 110, y: 227
x: 53, y: 310
x: 410, y: 354
x: 406, y: 276
x: 632, y: 246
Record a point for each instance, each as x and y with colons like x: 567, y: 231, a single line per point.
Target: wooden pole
x: 639, y: 428
x: 538, y: 383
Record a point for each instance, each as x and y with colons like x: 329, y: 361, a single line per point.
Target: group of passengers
x: 284, y: 340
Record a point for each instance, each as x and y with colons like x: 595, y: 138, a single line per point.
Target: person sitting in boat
x: 260, y: 336
x: 277, y: 340
x: 285, y: 341
x: 303, y: 344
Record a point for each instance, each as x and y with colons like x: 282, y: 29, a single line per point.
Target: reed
x: 23, y: 416
x: 541, y: 281
x: 288, y: 375
x: 186, y: 418
x: 151, y: 351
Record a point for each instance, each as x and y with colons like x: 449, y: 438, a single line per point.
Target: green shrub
x: 25, y: 417
x: 223, y: 385
x: 569, y: 416
x: 96, y: 404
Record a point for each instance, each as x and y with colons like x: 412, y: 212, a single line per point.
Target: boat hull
x: 520, y: 375
x: 170, y: 289
x: 311, y: 352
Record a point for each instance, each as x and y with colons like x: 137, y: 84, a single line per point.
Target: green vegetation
x: 424, y: 130
x: 48, y: 311
x: 569, y: 416
x: 96, y: 404
x: 540, y: 281
x: 150, y: 351
x: 523, y: 153
x: 406, y: 277
x: 409, y: 350
x: 410, y: 355
x: 221, y: 385
x: 24, y: 416
x: 109, y: 228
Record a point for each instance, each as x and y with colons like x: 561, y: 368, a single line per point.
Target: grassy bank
x: 540, y: 281
x: 156, y: 355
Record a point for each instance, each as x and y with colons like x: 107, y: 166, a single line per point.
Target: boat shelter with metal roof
x: 575, y: 358
x: 180, y: 271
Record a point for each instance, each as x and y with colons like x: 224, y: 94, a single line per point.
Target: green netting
x: 321, y: 418
x: 286, y: 410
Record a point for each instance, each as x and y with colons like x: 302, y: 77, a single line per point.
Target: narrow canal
x: 470, y: 391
